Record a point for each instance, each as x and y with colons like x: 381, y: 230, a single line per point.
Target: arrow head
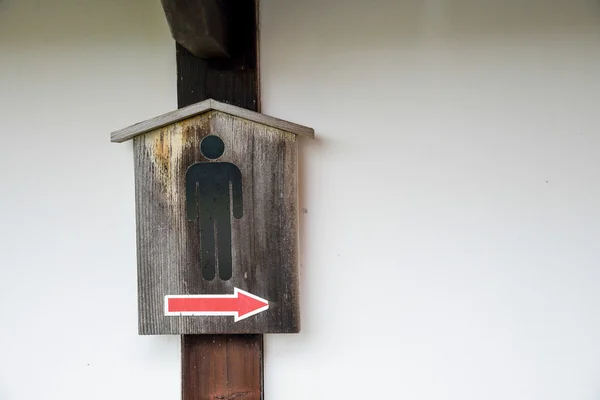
x: 248, y: 304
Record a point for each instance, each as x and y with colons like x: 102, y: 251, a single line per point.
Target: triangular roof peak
x: 201, y: 108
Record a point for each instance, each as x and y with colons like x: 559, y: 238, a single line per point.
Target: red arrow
x: 240, y: 304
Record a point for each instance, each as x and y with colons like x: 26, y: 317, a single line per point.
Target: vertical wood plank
x: 234, y: 81
x: 222, y: 367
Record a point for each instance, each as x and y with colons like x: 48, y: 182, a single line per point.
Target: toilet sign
x: 216, y: 214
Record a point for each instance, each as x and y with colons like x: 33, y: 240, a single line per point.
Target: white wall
x: 72, y: 71
x: 450, y: 245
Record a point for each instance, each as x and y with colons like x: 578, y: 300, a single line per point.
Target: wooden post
x: 223, y: 367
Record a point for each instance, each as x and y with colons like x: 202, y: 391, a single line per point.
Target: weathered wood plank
x: 202, y: 107
x: 200, y: 26
x: 263, y: 242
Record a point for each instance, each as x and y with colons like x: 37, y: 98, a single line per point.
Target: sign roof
x: 201, y: 108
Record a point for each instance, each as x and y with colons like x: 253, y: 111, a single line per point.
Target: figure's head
x: 212, y: 147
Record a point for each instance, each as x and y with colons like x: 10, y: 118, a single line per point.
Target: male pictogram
x: 213, y: 191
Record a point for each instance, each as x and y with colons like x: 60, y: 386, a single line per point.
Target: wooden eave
x: 201, y: 108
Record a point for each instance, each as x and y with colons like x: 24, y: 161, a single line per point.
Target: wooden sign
x: 216, y: 210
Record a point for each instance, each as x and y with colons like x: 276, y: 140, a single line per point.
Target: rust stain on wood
x: 165, y: 148
x: 162, y: 149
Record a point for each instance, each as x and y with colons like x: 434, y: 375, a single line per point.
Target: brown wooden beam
x: 223, y: 367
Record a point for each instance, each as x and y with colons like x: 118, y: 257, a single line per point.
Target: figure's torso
x: 213, y: 180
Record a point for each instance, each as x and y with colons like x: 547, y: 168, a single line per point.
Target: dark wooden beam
x: 201, y: 26
x: 233, y: 80
x: 223, y: 367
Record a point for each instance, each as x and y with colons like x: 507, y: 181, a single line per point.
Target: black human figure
x: 208, y: 199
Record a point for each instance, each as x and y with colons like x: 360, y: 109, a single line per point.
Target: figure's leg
x: 207, y: 244
x: 224, y: 247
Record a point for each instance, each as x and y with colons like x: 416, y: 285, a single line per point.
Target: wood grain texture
x: 202, y: 107
x: 264, y: 241
x: 200, y: 26
x: 222, y: 367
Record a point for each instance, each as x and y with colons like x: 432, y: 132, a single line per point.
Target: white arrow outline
x: 235, y: 314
